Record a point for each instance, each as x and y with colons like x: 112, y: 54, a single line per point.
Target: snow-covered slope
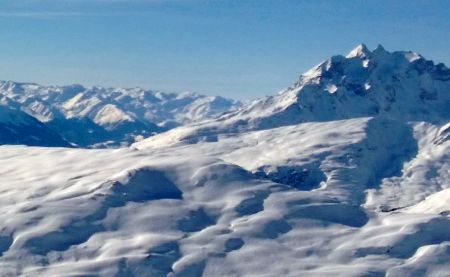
x: 320, y: 180
x: 17, y: 127
x: 290, y: 201
x: 98, y: 116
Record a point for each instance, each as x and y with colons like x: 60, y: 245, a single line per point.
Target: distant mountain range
x: 103, y: 117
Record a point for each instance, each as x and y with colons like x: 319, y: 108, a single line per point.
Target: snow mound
x: 144, y: 184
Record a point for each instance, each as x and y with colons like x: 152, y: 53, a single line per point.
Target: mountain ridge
x: 97, y: 116
x: 401, y: 85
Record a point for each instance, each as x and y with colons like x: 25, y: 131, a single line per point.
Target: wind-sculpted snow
x: 206, y: 209
x: 353, y: 185
x: 132, y: 209
x: 359, y: 147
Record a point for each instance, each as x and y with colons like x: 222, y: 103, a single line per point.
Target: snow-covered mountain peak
x: 365, y: 83
x: 361, y: 62
x: 111, y: 115
x: 378, y: 74
x: 360, y: 51
x: 399, y: 85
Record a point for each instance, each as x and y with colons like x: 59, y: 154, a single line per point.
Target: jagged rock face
x: 96, y: 116
x: 364, y: 83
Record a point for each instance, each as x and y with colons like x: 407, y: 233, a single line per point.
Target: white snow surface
x: 287, y: 201
x: 311, y: 182
x: 110, y: 115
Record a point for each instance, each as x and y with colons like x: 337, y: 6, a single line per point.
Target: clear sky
x: 236, y: 48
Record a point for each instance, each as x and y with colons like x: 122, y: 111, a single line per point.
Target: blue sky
x: 240, y: 49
